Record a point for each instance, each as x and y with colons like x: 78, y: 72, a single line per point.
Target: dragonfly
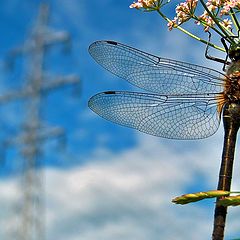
x: 183, y: 100
x: 180, y: 101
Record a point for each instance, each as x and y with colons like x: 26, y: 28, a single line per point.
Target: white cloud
x: 128, y: 196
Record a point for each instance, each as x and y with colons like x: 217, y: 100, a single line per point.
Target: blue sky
x: 110, y: 182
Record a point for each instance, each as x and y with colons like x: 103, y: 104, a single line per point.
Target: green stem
x: 229, y: 31
x: 193, y: 16
x: 190, y: 34
x: 234, y: 19
x: 205, y: 24
x: 226, y: 36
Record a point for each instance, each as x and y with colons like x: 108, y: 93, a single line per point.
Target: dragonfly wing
x: 164, y: 116
x: 155, y: 74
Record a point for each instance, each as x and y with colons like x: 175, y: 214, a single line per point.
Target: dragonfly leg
x: 224, y: 61
x: 227, y: 55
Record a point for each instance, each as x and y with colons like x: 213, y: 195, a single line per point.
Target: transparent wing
x: 177, y: 117
x: 155, y: 74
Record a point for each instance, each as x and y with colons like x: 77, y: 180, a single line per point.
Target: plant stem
x: 207, y: 25
x: 234, y: 19
x: 231, y: 121
x: 225, y: 34
x: 191, y: 34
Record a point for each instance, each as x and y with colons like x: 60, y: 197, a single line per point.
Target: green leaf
x: 229, y: 201
x: 194, y: 197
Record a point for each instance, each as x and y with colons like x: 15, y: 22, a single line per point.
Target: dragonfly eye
x: 234, y: 55
x: 234, y: 52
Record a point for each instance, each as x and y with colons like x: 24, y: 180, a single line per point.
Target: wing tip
x: 93, y: 98
x: 102, y: 42
x: 91, y: 101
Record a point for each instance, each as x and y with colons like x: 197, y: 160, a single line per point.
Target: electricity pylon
x: 34, y: 131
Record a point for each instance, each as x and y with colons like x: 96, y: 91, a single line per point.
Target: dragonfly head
x: 234, y: 51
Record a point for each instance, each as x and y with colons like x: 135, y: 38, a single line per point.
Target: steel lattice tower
x: 34, y: 131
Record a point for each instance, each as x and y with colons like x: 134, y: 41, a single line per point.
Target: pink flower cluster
x: 185, y: 11
x: 145, y: 4
x: 228, y: 5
